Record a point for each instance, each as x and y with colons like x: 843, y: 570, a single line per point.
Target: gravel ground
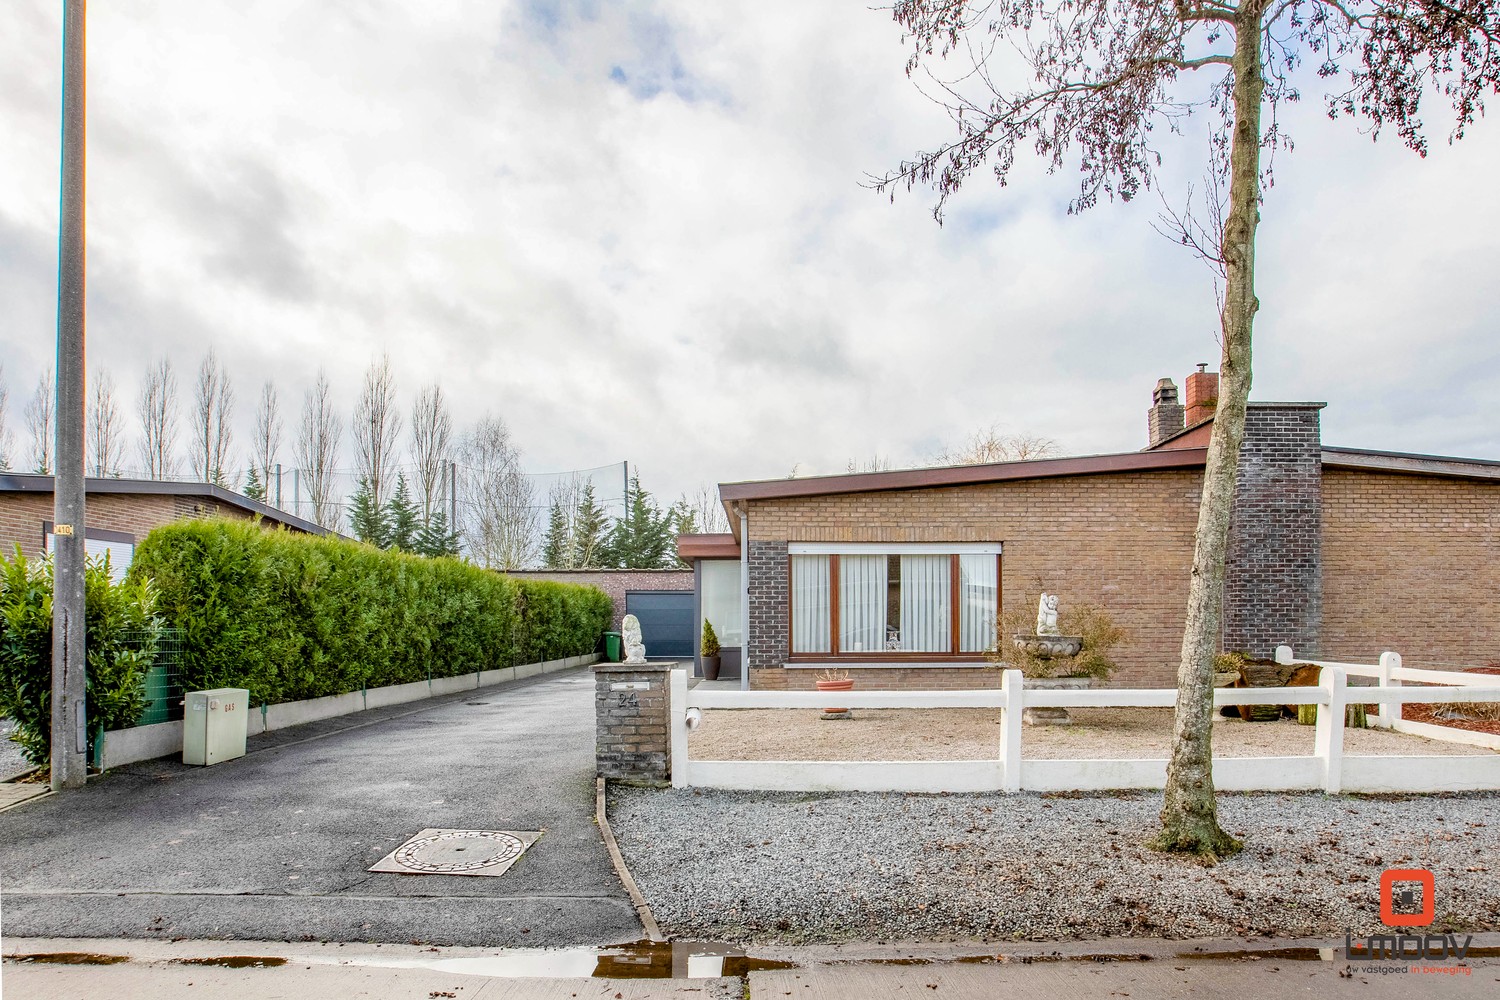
x: 974, y: 734
x: 11, y: 761
x: 778, y: 867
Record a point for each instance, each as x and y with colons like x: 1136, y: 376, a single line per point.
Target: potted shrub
x: 710, y: 651
x: 835, y: 680
x: 1049, y: 664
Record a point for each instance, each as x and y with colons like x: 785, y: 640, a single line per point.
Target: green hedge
x: 293, y: 616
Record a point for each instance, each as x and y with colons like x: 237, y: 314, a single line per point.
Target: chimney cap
x: 1202, y: 367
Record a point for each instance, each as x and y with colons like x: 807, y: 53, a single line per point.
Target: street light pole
x: 69, y: 722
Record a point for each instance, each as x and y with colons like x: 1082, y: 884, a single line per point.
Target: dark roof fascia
x: 11, y: 482
x: 713, y: 545
x: 1365, y: 460
x: 964, y: 475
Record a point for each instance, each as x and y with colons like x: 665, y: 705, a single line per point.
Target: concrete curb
x: 642, y: 908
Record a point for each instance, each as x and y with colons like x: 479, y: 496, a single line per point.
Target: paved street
x: 274, y: 846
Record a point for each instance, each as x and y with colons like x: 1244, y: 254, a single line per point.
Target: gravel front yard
x: 778, y: 867
x: 974, y: 734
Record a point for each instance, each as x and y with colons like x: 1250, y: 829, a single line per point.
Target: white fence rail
x: 1328, y: 768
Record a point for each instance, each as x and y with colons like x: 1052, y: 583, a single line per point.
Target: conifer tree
x: 402, y: 520
x: 435, y: 538
x: 557, y: 545
x: 254, y: 488
x: 366, y: 518
x: 643, y: 538
x: 590, y: 531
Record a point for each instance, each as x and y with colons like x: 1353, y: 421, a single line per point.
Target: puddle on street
x: 234, y: 962
x: 636, y: 960
x: 71, y: 958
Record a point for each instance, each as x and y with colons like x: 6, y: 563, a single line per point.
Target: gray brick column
x: 632, y: 740
x: 1273, y: 586
x: 769, y: 628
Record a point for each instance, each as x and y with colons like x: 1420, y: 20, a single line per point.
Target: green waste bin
x: 612, y: 642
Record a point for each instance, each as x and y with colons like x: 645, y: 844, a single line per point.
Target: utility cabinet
x: 213, y: 725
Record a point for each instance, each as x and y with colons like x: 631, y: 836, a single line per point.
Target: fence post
x: 1010, y: 731
x: 1330, y: 728
x: 677, y: 689
x: 1390, y: 712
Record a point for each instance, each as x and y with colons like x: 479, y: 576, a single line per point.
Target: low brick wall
x: 614, y: 582
x: 631, y: 707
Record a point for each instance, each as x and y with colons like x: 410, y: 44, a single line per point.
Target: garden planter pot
x: 710, y: 668
x: 1052, y: 716
x: 836, y: 686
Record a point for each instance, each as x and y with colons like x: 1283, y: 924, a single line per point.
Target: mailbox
x: 214, y: 725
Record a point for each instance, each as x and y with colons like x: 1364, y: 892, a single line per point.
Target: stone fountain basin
x: 1048, y: 646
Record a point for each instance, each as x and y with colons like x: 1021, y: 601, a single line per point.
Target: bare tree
x: 708, y: 512
x: 4, y: 427
x: 377, y: 423
x: 498, y: 501
x: 103, y: 428
x: 158, y: 412
x: 39, y: 413
x: 990, y: 444
x: 875, y: 463
x: 213, y: 413
x: 267, y: 434
x: 318, y: 449
x: 431, y: 444
x: 1102, y: 79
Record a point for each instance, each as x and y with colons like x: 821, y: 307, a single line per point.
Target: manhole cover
x: 457, y: 852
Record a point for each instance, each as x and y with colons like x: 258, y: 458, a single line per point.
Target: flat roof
x: 1367, y: 460
x: 18, y: 482
x: 707, y: 546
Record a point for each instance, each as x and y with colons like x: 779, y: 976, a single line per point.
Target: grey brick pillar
x: 769, y: 628
x: 631, y: 714
x: 1273, y: 585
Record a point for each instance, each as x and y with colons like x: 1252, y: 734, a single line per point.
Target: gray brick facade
x: 769, y: 627
x: 1273, y: 587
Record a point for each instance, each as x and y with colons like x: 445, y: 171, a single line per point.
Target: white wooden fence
x: 1328, y: 768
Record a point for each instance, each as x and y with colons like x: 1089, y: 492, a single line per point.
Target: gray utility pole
x: 69, y: 722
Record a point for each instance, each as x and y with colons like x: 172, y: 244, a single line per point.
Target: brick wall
x: 615, y: 582
x: 1273, y: 589
x: 22, y: 514
x: 631, y: 723
x: 1411, y: 564
x: 1123, y: 541
x: 768, y: 605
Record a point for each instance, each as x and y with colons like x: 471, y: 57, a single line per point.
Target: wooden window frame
x: 953, y: 655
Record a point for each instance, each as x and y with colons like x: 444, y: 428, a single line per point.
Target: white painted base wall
x: 128, y: 746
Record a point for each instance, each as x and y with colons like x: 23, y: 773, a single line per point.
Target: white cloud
x: 638, y: 231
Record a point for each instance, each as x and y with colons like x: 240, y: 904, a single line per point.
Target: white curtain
x: 926, y: 611
x: 810, y: 604
x: 979, y: 584
x: 862, y: 598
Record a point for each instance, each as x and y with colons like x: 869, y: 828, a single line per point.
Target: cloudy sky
x: 637, y: 231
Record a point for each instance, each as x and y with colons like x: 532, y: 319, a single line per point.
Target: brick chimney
x: 1165, y: 418
x: 1202, y: 395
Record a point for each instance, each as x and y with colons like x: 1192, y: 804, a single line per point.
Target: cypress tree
x: 590, y: 532
x: 557, y: 546
x: 366, y: 519
x: 254, y: 488
x: 401, y: 518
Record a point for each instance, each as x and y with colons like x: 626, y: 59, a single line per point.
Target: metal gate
x: 667, y: 621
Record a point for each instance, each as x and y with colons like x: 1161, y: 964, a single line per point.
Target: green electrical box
x: 214, y: 724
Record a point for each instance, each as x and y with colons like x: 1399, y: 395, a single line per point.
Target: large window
x: 722, y: 599
x: 118, y: 546
x: 893, y: 601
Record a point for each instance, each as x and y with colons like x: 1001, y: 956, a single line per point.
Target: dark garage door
x: 666, y: 621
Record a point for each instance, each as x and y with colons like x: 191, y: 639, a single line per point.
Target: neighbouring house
x: 121, y: 512
x: 897, y: 576
x: 664, y: 600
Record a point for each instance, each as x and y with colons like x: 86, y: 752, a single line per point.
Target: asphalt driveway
x: 274, y: 846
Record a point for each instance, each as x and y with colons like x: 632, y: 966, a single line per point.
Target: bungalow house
x: 121, y: 512
x: 898, y: 576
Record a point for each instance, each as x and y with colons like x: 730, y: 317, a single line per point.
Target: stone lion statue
x: 630, y: 633
x: 1046, y: 615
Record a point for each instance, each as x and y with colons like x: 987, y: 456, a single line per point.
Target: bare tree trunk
x: 317, y: 451
x: 267, y: 433
x: 103, y: 428
x: 158, y: 410
x: 4, y: 427
x: 1189, y: 816
x: 212, y: 427
x: 376, y: 425
x: 431, y: 444
x: 39, y: 413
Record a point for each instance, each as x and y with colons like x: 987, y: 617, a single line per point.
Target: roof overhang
x: 1363, y: 460
x: 715, y: 546
x: 11, y: 482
